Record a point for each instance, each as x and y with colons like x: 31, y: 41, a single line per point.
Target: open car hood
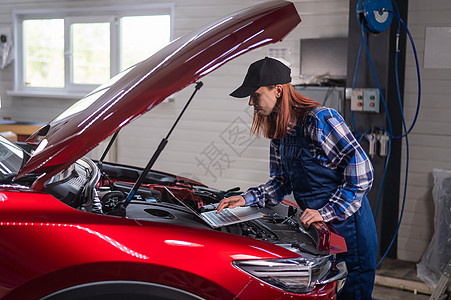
x: 140, y: 88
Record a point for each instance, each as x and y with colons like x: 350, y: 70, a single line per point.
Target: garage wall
x: 211, y: 142
x: 430, y: 141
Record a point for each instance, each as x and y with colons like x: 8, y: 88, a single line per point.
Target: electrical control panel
x: 357, y: 100
x: 366, y: 100
x: 371, y: 100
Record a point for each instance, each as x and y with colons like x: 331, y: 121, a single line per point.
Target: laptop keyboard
x: 224, y: 217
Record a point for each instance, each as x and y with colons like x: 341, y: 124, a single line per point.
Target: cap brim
x: 243, y: 91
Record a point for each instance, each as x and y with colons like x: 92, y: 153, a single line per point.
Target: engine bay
x: 152, y: 202
x: 102, y: 188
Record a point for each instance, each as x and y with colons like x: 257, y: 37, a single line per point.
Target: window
x: 73, y: 51
x: 43, y: 46
x: 90, y: 55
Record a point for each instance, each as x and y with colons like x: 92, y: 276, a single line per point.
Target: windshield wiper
x: 7, y: 178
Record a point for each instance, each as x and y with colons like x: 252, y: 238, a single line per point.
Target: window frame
x: 68, y: 51
x: 110, y: 14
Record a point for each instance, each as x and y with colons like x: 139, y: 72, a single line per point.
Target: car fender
x: 106, y: 277
x: 119, y: 290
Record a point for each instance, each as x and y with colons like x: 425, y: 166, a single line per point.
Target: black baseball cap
x: 263, y: 72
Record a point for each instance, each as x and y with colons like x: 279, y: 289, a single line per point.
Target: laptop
x: 227, y: 216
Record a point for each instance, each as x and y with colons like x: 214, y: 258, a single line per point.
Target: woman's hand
x: 230, y: 202
x: 309, y: 216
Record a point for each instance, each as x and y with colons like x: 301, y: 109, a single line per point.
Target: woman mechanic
x: 313, y: 155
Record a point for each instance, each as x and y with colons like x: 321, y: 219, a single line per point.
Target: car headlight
x: 294, y: 275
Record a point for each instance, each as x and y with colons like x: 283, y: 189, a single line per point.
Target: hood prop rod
x: 160, y: 148
x: 107, y: 149
x: 105, y: 152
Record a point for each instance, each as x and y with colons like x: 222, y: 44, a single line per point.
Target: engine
x: 104, y: 190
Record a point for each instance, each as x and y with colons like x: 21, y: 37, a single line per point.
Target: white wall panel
x: 430, y: 141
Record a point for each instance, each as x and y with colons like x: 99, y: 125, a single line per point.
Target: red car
x: 72, y: 228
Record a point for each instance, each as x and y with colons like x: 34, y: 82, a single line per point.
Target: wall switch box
x: 357, y: 100
x: 371, y: 100
x: 367, y: 100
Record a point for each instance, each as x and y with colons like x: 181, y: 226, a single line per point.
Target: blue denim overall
x: 312, y: 185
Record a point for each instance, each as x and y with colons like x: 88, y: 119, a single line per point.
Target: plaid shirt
x: 332, y: 145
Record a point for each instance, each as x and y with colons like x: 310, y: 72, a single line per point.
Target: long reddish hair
x: 289, y: 107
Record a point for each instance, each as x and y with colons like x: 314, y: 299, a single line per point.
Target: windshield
x: 11, y: 157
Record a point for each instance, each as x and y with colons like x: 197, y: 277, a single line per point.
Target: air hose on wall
x: 374, y: 17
